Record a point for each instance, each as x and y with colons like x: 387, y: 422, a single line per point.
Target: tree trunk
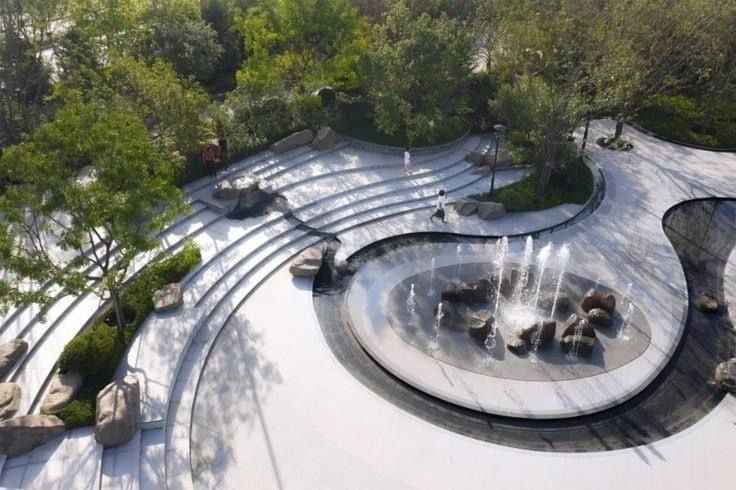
x: 118, y: 307
x: 544, y: 176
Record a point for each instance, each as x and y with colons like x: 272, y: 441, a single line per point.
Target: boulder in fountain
x: 725, y: 376
x: 707, y: 302
x: 546, y: 329
x: 595, y: 298
x: 598, y: 316
x: 454, y: 292
x: 480, y: 325
x: 477, y: 292
x: 451, y: 317
x: 308, y: 263
x: 582, y: 326
x: 518, y: 346
x: 563, y: 302
x: 582, y: 346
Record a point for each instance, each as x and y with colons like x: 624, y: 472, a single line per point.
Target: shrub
x: 92, y: 351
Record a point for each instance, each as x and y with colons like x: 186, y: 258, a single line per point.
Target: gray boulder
x: 118, y: 405
x: 480, y: 325
x: 475, y: 157
x: 325, y: 139
x: 466, y: 207
x: 563, y: 302
x: 574, y: 324
x: 483, y: 170
x: 581, y: 346
x: 595, y: 298
x: 451, y: 317
x: 169, y: 297
x: 544, y: 329
x: 225, y: 191
x: 454, y: 292
x: 300, y: 138
x: 490, y: 210
x: 725, y: 376
x: 477, y: 292
x: 598, y: 316
x: 245, y: 184
x: 308, y: 263
x: 9, y: 400
x: 21, y: 434
x: 707, y: 302
x: 518, y: 346
x: 10, y: 353
x: 62, y: 391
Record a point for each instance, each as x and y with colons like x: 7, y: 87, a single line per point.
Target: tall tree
x: 83, y: 232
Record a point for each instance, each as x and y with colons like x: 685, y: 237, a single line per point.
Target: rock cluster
x: 169, y: 297
x: 578, y: 337
x: 486, y: 210
x: 10, y: 353
x: 118, y: 405
x: 308, y: 263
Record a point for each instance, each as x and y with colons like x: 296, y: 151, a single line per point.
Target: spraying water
x: 431, y: 278
x: 411, y: 306
x: 627, y: 319
x: 542, y: 259
x: 563, y: 255
x: 458, y: 250
x: 502, y: 249
x: 523, y: 278
x: 435, y: 344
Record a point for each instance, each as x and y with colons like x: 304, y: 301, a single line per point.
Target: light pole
x: 500, y: 129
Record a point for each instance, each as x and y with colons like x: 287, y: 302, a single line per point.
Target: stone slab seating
x: 9, y: 400
x: 325, y: 139
x: 10, y: 353
x: 118, y: 405
x: 64, y: 386
x: 595, y: 298
x: 21, y: 434
x: 168, y: 298
x: 308, y: 263
x: 292, y: 141
x: 725, y: 376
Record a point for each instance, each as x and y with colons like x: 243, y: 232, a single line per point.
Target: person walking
x: 407, y: 161
x: 208, y: 160
x: 439, y: 207
x: 222, y: 145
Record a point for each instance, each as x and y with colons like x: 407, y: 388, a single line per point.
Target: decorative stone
x: 529, y: 334
x: 245, y: 184
x: 483, y: 170
x: 517, y: 346
x: 725, y: 376
x: 169, y: 297
x: 454, y: 292
x: 62, y: 391
x: 476, y: 292
x: 563, y: 302
x: 707, y: 302
x: 10, y: 353
x: 466, y: 207
x: 574, y: 323
x: 490, y: 210
x: 9, y: 400
x: 451, y: 317
x: 595, y: 298
x: 292, y: 141
x: 597, y: 316
x: 476, y: 158
x: 582, y: 346
x: 308, y: 263
x: 325, y: 139
x: 480, y: 325
x: 225, y: 191
x: 118, y: 405
x: 21, y: 434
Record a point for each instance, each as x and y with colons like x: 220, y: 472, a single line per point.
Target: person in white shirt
x: 407, y: 161
x: 439, y: 207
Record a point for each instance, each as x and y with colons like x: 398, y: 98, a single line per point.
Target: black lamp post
x: 500, y: 129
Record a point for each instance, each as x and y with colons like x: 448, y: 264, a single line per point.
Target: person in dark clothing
x: 222, y: 143
x: 208, y: 160
x: 439, y: 207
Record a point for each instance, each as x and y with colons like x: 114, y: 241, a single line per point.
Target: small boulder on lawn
x: 308, y: 263
x: 491, y: 210
x: 9, y: 400
x: 707, y: 302
x: 595, y: 298
x: 325, y: 139
x: 168, y: 298
x: 466, y: 207
x: 300, y: 138
x: 21, y: 434
x: 118, y: 405
x: 64, y: 387
x: 10, y: 353
x: 725, y: 376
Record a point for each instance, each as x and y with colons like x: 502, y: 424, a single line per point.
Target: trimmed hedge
x: 97, y: 351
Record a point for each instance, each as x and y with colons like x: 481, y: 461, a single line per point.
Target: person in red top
x: 209, y: 157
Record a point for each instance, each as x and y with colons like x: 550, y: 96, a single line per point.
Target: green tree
x: 296, y: 45
x: 83, y: 232
x: 415, y: 71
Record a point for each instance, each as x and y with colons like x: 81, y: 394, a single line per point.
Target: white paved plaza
x: 241, y: 390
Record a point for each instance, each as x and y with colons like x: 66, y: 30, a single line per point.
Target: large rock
x: 480, y: 325
x: 475, y: 157
x: 477, y: 292
x: 292, y: 141
x: 62, y: 391
x: 563, y: 302
x: 169, y: 297
x: 576, y: 325
x: 466, y: 207
x: 483, y: 171
x: 517, y: 346
x: 546, y: 329
x: 245, y: 184
x: 581, y: 346
x: 21, y: 434
x: 325, y: 139
x: 490, y: 210
x: 595, y: 298
x: 453, y: 292
x: 725, y: 376
x: 118, y: 405
x: 308, y: 263
x: 707, y: 302
x: 10, y: 353
x: 451, y: 317
x: 9, y: 400
x: 225, y: 191
x: 598, y: 316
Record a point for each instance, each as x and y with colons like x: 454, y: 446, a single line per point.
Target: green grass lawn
x: 573, y: 185
x: 355, y: 120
